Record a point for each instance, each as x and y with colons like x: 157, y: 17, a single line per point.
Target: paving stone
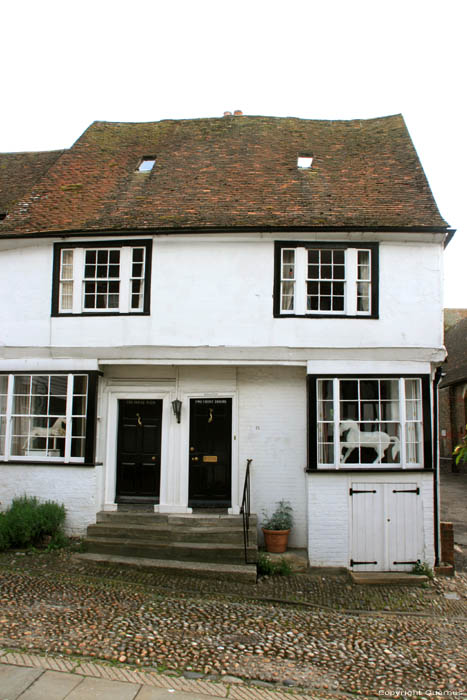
x: 101, y: 689
x: 147, y: 693
x: 52, y: 685
x: 14, y: 680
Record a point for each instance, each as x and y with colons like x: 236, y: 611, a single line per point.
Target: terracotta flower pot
x: 276, y: 540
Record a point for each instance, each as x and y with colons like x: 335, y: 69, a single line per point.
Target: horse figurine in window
x: 56, y: 430
x: 377, y: 440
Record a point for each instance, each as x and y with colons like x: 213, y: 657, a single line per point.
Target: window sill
x: 357, y: 469
x: 46, y: 463
x: 99, y: 314
x: 361, y: 317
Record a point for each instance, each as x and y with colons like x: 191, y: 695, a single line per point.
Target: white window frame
x: 75, y: 281
x: 9, y: 415
x: 353, y: 282
x: 404, y: 462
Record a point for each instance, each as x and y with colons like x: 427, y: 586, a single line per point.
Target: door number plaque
x: 210, y: 458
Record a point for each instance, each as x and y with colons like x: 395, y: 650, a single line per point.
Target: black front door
x: 210, y: 452
x: 139, y: 450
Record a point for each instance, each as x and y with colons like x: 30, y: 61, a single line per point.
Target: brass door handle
x: 194, y: 459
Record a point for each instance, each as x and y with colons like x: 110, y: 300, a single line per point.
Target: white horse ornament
x: 56, y: 430
x: 377, y: 440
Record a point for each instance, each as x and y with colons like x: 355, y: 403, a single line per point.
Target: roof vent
x: 238, y: 113
x: 304, y: 162
x: 227, y: 114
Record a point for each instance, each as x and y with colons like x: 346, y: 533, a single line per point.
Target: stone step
x: 170, y: 533
x: 241, y: 573
x: 193, y: 551
x: 205, y: 520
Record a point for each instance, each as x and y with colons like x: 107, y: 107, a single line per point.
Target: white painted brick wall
x: 75, y: 487
x: 272, y: 431
x: 329, y: 513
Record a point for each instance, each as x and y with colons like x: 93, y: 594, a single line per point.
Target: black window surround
x: 91, y: 420
x: 301, y: 284
x: 312, y: 426
x: 101, y: 244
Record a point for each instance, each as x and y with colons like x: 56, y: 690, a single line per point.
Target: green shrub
x: 52, y: 517
x: 4, y: 538
x: 23, y: 521
x: 267, y: 567
x: 27, y: 521
x: 422, y: 569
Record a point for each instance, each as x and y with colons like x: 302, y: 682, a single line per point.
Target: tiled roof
x: 19, y: 172
x: 232, y: 172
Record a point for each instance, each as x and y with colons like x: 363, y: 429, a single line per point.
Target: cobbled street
x: 308, y: 632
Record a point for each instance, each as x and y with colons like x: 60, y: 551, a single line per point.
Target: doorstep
x: 241, y: 573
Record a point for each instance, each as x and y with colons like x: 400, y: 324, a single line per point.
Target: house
x: 185, y: 295
x: 453, y: 388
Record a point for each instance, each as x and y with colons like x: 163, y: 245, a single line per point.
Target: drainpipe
x: 437, y: 378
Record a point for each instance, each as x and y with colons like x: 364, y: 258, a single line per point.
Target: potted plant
x: 276, y: 528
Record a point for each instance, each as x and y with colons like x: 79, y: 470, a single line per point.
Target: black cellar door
x: 139, y: 450
x: 210, y: 453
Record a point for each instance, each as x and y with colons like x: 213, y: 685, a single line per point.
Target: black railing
x: 245, y: 509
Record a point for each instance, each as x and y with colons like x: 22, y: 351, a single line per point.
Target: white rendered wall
x: 272, y: 432
x: 219, y: 292
x: 329, y: 507
x: 75, y: 487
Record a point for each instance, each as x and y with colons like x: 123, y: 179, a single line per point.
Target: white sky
x: 67, y: 63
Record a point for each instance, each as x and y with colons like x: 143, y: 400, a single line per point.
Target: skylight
x: 304, y: 162
x: 147, y: 164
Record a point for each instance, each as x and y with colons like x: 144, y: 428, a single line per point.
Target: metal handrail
x: 245, y: 508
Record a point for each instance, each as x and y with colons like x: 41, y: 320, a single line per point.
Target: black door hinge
x: 405, y: 562
x: 417, y: 491
x: 352, y: 491
x: 355, y: 563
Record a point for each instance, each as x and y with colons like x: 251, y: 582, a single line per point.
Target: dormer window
x: 147, y: 164
x: 304, y: 162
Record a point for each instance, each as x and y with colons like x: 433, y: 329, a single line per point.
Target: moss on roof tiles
x: 232, y: 172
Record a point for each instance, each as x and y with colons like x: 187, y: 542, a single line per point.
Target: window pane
x: 80, y: 384
x: 363, y: 265
x: 288, y: 264
x: 66, y: 287
x: 138, y: 255
x: 287, y: 300
x: 77, y: 447
x: 349, y: 389
x: 313, y: 256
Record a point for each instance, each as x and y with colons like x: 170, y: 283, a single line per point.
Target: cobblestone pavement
x: 311, y: 632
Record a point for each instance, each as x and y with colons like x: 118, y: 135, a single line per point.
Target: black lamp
x: 177, y: 409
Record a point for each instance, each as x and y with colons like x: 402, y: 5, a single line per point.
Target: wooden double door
x: 139, y: 450
x: 210, y: 453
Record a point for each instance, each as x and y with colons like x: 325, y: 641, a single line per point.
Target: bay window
x: 369, y: 422
x: 47, y: 417
x: 326, y: 279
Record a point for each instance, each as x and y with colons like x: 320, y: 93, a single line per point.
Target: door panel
x: 386, y: 527
x: 210, y: 452
x: 139, y: 450
x: 405, y: 526
x: 367, y: 526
